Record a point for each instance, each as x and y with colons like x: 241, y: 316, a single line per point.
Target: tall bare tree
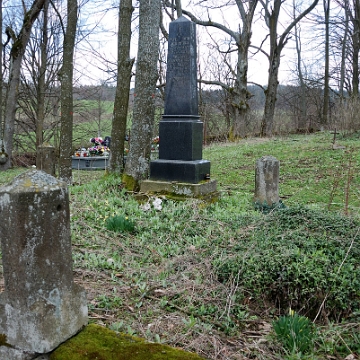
x: 17, y: 52
x: 124, y: 70
x: 3, y: 155
x: 355, y: 20
x: 137, y: 162
x: 67, y: 106
x: 277, y: 43
x: 301, y: 124
x: 326, y: 106
x: 344, y: 45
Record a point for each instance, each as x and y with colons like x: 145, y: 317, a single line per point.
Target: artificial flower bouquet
x: 155, y: 143
x: 97, y: 149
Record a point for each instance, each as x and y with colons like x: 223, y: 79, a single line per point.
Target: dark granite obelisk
x: 180, y: 130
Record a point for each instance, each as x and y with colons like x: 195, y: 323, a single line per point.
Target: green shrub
x: 298, y: 258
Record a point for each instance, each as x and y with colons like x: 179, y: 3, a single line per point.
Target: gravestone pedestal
x: 180, y: 151
x: 41, y: 306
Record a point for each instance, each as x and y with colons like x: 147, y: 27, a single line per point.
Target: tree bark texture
x: 243, y: 41
x: 1, y: 80
x: 343, y: 50
x: 302, y: 117
x: 16, y: 56
x: 66, y: 98
x: 355, y: 19
x: 121, y: 103
x: 326, y: 100
x: 40, y: 111
x: 137, y: 162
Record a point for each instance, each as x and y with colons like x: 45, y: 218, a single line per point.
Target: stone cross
x: 180, y: 130
x: 41, y: 306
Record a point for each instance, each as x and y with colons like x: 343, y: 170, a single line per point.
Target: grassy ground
x: 212, y: 278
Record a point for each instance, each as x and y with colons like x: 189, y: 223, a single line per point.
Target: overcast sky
x: 104, y: 41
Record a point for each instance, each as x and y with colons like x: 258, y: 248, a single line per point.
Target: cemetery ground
x: 222, y: 279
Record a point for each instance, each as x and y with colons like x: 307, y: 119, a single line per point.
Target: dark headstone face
x: 181, y: 80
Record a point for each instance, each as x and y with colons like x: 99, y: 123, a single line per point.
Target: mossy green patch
x: 97, y: 342
x: 130, y: 183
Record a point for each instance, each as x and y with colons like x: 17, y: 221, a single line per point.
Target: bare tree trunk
x: 121, y: 103
x: 66, y: 78
x: 271, y: 93
x: 356, y: 48
x: 276, y: 46
x: 178, y: 8
x: 241, y: 95
x: 16, y: 56
x: 301, y: 125
x: 137, y: 162
x: 1, y: 81
x: 343, y: 50
x: 41, y: 85
x: 326, y: 100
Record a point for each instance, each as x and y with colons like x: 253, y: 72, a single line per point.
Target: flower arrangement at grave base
x: 155, y: 143
x: 98, y: 149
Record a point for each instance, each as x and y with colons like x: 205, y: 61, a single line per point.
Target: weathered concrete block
x: 41, y: 306
x: 267, y: 181
x: 179, y: 189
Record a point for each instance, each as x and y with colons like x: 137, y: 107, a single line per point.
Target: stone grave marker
x: 41, y: 306
x: 180, y: 130
x: 180, y: 169
x: 267, y: 181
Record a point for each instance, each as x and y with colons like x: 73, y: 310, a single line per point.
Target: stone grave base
x: 49, y: 321
x: 204, y: 190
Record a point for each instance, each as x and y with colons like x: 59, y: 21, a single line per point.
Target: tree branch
x: 284, y: 37
x: 219, y: 26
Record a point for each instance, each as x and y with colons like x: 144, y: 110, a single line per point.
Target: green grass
x: 211, y: 278
x: 310, y: 170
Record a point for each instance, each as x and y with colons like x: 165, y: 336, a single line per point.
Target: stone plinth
x: 41, y: 306
x: 179, y: 170
x: 267, y: 181
x: 181, y: 138
x: 185, y: 190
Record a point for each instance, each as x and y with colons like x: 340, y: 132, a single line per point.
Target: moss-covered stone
x: 97, y: 342
x: 130, y: 183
